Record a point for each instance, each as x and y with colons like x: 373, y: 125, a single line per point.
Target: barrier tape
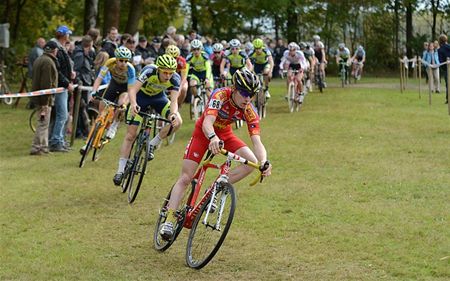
x: 47, y: 92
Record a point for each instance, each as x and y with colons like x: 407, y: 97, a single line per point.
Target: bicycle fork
x: 216, y: 226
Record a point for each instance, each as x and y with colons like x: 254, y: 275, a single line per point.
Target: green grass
x: 359, y: 191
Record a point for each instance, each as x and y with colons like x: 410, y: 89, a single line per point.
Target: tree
x: 111, y: 15
x: 134, y: 16
x: 90, y: 14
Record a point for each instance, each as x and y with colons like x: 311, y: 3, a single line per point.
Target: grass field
x: 359, y: 191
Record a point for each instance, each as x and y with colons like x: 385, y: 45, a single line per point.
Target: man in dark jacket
x: 83, y: 59
x: 65, y: 77
x: 444, y: 54
x: 45, y: 76
x: 110, y: 43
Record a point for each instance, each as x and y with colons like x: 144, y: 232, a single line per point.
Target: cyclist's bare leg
x: 183, y: 91
x: 187, y: 173
x: 193, y: 87
x: 299, y: 78
x: 128, y: 141
x: 242, y: 171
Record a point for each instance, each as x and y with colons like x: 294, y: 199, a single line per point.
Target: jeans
x: 61, y: 115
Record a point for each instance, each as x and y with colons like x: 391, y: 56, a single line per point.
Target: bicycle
x: 319, y: 75
x: 261, y: 99
x: 357, y: 70
x: 141, y: 149
x: 209, y: 218
x: 343, y: 72
x: 294, y: 99
x: 97, y: 135
x: 199, y: 102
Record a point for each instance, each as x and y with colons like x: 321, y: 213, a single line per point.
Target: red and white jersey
x: 222, y: 106
x: 296, y: 58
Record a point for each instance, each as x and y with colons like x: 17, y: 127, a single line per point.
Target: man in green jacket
x: 45, y: 76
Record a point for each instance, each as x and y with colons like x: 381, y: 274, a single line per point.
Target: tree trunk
x: 111, y: 15
x: 409, y: 28
x: 134, y: 16
x: 396, y: 25
x: 90, y: 14
x: 194, y: 14
x: 292, y: 22
x: 14, y: 32
x: 434, y: 10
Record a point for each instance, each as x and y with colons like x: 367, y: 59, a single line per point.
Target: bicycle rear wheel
x: 158, y: 242
x: 291, y: 97
x: 32, y: 120
x: 205, y: 238
x: 89, y: 144
x: 138, y: 169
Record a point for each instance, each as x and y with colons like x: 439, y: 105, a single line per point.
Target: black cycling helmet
x: 246, y: 82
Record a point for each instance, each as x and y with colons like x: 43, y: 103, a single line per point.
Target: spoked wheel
x: 291, y: 97
x: 89, y: 144
x: 32, y: 120
x: 138, y: 170
x: 159, y: 243
x: 209, y: 229
x: 101, y: 140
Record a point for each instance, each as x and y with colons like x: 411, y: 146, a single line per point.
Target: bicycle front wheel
x: 291, y: 97
x: 209, y: 229
x: 89, y: 144
x: 138, y: 170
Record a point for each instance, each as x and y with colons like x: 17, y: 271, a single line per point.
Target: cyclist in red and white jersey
x: 294, y: 59
x: 226, y: 105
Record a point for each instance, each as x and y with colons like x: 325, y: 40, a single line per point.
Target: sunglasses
x: 217, y: 52
x: 122, y: 60
x: 166, y: 71
x: 245, y: 94
x: 131, y: 41
x: 196, y: 49
x: 234, y: 48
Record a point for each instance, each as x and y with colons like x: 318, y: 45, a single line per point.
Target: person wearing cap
x: 45, y: 76
x: 154, y: 47
x: 142, y: 50
x: 65, y: 77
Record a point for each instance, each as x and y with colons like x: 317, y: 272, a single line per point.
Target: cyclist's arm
x: 174, y: 101
x: 222, y: 66
x: 248, y: 64
x: 260, y: 152
x: 132, y: 91
x: 208, y: 130
x: 97, y: 83
x: 270, y: 60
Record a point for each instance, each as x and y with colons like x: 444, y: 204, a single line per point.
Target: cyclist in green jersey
x: 199, y: 68
x: 234, y: 59
x: 262, y: 62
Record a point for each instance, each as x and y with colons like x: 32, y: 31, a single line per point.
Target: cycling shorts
x: 198, y: 76
x: 198, y: 144
x: 259, y: 68
x: 160, y: 103
x: 114, y: 90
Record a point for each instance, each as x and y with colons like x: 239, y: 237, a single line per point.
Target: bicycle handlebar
x: 108, y: 102
x: 154, y: 116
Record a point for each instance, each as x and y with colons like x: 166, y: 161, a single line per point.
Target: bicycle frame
x: 193, y: 208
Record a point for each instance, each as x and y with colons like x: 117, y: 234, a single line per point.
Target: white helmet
x: 249, y: 45
x: 293, y: 45
x: 341, y: 45
x: 360, y: 48
x: 196, y: 44
x: 316, y: 37
x: 217, y: 47
x: 234, y: 43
